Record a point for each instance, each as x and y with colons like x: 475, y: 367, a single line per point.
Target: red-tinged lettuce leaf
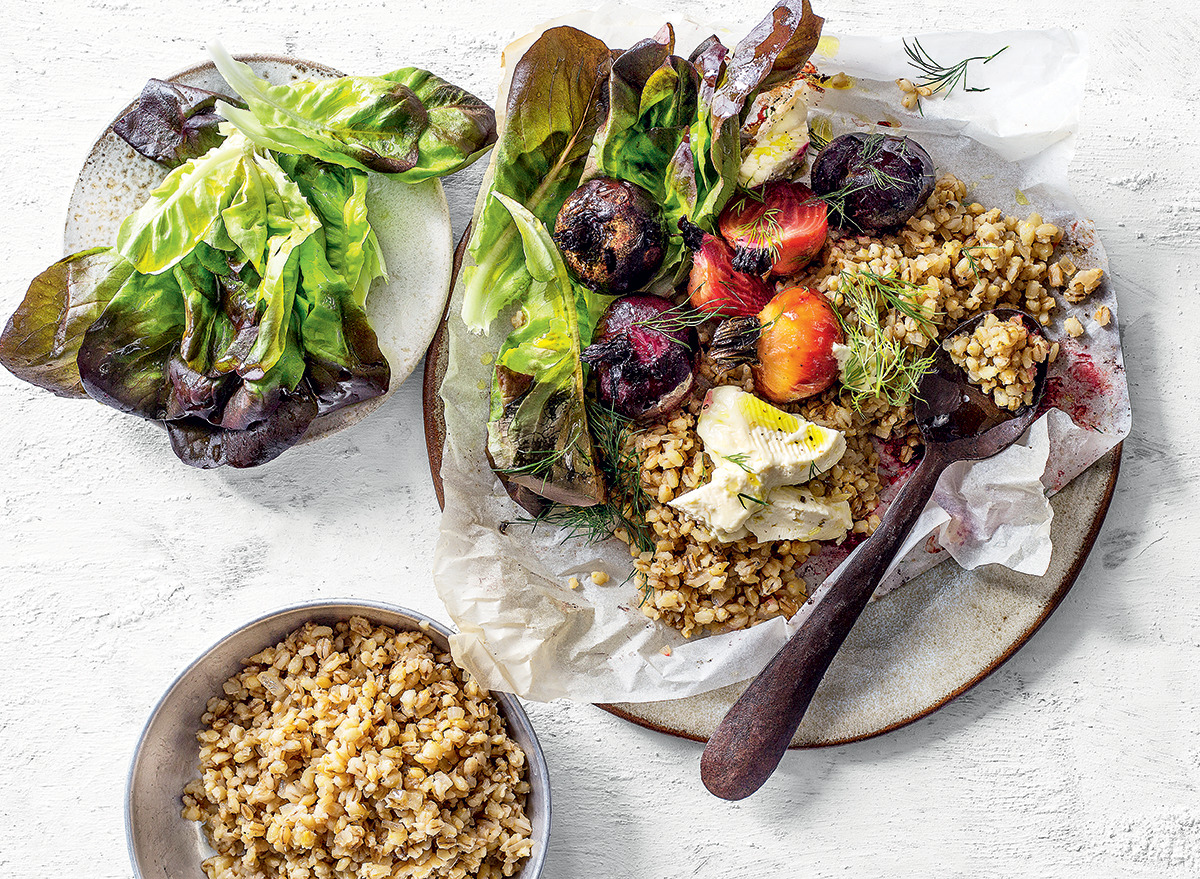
x: 556, y: 102
x: 42, y: 338
x: 200, y: 444
x: 172, y: 123
x: 653, y: 101
x: 781, y: 43
x: 124, y: 355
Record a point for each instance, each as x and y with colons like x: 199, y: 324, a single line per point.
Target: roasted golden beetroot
x: 789, y: 344
x: 774, y: 229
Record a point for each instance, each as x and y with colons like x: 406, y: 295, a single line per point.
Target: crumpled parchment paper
x: 523, y: 629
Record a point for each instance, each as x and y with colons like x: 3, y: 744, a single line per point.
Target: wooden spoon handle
x: 749, y: 743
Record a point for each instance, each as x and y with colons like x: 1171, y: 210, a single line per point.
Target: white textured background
x: 1081, y: 756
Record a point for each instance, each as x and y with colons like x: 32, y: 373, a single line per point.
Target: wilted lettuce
x: 409, y: 122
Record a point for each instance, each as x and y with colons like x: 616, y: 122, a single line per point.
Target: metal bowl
x: 162, y: 845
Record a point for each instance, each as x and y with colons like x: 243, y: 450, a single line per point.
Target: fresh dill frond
x: 836, y: 200
x: 877, y: 364
x: 894, y: 292
x: 675, y: 319
x: 627, y: 504
x: 939, y: 77
x: 766, y: 233
x: 742, y: 498
x: 989, y: 250
x: 740, y: 460
x: 541, y: 462
x: 817, y: 140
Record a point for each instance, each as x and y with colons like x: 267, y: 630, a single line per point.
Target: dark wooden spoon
x: 958, y: 423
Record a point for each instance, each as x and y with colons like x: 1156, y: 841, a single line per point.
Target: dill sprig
x: 627, y: 503
x: 675, y: 319
x: 817, y: 140
x: 894, y: 291
x: 989, y: 250
x: 836, y: 200
x: 742, y: 498
x: 766, y: 233
x: 740, y: 459
x: 941, y: 77
x: 541, y: 462
x: 877, y: 364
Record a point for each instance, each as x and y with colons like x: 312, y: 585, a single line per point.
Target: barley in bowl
x: 358, y: 751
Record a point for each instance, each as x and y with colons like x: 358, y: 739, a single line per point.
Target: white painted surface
x: 118, y: 565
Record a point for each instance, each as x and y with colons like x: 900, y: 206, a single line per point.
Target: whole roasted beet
x: 643, y: 360
x: 611, y: 234
x: 872, y: 182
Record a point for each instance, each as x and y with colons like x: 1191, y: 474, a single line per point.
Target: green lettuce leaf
x: 653, y: 103
x: 339, y: 197
x: 408, y: 122
x: 553, y: 110
x: 42, y: 338
x: 345, y: 365
x: 541, y: 438
x: 123, y: 357
x: 186, y: 207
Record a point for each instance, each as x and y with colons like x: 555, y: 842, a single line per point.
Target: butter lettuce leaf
x: 539, y: 437
x: 172, y: 122
x: 41, y: 340
x: 408, y: 122
x: 553, y: 110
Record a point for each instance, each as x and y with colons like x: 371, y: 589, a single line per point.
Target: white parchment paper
x: 524, y: 630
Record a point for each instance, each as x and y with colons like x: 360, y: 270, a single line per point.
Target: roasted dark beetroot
x: 611, y: 234
x: 872, y: 182
x: 642, y: 359
x: 776, y: 228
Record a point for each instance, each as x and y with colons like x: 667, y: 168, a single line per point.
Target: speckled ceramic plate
x: 412, y: 223
x: 912, y: 651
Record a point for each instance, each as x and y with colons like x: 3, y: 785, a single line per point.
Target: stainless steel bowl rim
x: 514, y: 714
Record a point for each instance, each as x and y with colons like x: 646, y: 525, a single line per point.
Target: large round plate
x: 911, y: 652
x: 411, y: 222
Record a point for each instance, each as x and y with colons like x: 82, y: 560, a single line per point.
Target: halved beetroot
x: 775, y: 229
x: 716, y: 287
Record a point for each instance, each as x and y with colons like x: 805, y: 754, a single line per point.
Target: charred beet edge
x: 789, y: 345
x: 643, y: 365
x: 872, y: 182
x: 611, y: 234
x: 715, y: 285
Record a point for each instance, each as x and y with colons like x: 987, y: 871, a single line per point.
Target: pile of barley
x: 357, y: 751
x: 1002, y: 357
x: 961, y: 259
